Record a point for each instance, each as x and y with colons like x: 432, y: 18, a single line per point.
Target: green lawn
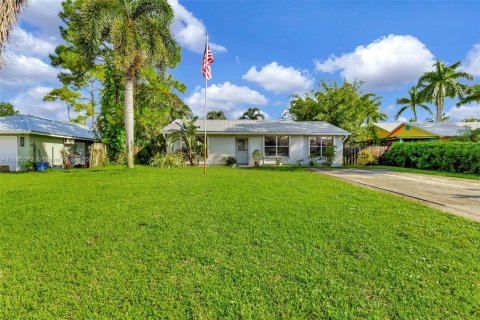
x: 239, y: 243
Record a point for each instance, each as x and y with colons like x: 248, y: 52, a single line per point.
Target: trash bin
x: 41, y: 166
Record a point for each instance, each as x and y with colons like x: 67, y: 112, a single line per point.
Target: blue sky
x: 265, y: 51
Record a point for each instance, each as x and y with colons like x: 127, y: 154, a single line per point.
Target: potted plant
x: 279, y: 162
x: 257, y: 156
x: 230, y: 161
x: 329, y: 155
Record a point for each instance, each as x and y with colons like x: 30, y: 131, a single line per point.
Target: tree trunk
x: 439, y: 116
x: 129, y: 119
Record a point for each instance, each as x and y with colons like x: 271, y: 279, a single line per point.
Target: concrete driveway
x: 454, y: 195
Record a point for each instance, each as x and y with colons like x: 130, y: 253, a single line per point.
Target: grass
x: 430, y: 172
x: 238, y: 243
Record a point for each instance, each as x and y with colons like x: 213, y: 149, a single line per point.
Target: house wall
x: 50, y: 149
x: 224, y: 146
x: 220, y: 147
x: 412, y: 132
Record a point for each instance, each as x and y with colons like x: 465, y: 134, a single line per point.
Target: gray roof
x: 30, y: 124
x: 388, y: 126
x: 444, y: 129
x: 262, y: 127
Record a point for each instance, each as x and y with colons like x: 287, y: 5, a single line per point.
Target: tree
x: 472, y: 95
x: 7, y: 109
x: 77, y: 75
x: 138, y: 32
x: 9, y: 12
x: 471, y: 119
x: 443, y: 119
x: 216, y: 115
x: 345, y: 106
x: 412, y: 102
x: 188, y: 135
x: 441, y: 83
x: 252, y: 114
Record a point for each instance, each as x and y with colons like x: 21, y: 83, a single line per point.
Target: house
x: 28, y: 138
x: 383, y: 129
x: 442, y: 131
x: 291, y: 141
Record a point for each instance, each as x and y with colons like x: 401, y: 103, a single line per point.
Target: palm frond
x: 10, y: 9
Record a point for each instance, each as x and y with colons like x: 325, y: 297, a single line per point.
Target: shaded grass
x: 239, y: 243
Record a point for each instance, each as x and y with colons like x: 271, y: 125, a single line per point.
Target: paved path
x: 455, y: 195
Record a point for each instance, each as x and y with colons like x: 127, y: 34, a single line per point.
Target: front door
x: 241, y: 152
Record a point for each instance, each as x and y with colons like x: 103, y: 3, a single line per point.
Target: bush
x: 443, y: 156
x: 230, y: 161
x: 167, y: 160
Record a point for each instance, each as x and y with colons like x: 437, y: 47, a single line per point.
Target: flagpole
x: 205, y: 123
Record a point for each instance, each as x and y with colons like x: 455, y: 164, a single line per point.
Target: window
x: 241, y: 144
x: 318, y: 145
x: 277, y: 146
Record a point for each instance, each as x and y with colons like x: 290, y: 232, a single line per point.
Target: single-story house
x: 28, y: 138
x: 291, y: 141
x: 383, y: 129
x: 442, y: 131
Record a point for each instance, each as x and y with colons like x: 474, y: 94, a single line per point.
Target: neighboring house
x: 291, y: 141
x: 28, y: 138
x: 442, y: 131
x: 383, y: 129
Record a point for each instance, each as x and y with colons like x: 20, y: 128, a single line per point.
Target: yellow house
x: 442, y: 131
x: 383, y: 129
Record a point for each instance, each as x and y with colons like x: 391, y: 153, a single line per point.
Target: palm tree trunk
x: 439, y: 114
x: 129, y: 119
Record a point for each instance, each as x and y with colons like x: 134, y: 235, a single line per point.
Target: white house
x: 28, y: 138
x: 292, y: 141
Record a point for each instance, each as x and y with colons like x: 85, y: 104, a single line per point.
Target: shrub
x: 230, y: 161
x: 167, y: 160
x: 443, y: 156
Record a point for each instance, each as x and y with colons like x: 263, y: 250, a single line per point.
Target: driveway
x: 454, y: 195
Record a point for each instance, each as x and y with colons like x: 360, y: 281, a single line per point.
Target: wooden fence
x: 361, y: 156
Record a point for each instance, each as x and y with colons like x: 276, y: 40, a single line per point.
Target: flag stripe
x: 206, y: 62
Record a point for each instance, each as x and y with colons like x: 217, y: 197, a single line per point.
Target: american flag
x: 206, y: 62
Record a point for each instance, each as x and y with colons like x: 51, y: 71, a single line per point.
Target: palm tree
x: 252, y: 114
x: 473, y: 95
x: 442, y: 83
x: 444, y: 118
x: 412, y: 102
x: 9, y: 10
x: 136, y: 33
x: 188, y: 135
x: 216, y: 115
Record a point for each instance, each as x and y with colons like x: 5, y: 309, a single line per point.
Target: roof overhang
x: 4, y: 132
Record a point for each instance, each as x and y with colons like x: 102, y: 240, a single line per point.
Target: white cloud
x: 21, y: 71
x: 472, y: 61
x: 23, y: 42
x: 387, y: 63
x: 190, y: 31
x: 279, y: 79
x: 31, y: 102
x: 43, y: 14
x: 402, y: 119
x: 227, y: 97
x: 462, y: 112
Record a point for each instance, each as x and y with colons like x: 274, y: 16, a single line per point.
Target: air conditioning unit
x: 68, y: 141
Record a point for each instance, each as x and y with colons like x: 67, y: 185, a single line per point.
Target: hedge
x: 443, y: 156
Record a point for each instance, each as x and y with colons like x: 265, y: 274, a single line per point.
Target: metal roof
x: 30, y: 124
x: 443, y: 129
x: 261, y: 127
x: 387, y: 126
